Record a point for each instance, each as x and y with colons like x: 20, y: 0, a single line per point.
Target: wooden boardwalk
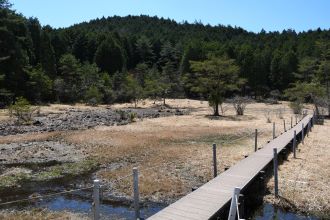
x: 207, y: 200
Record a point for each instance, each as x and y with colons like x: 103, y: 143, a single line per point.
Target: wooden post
x: 308, y: 128
x: 215, y: 169
x: 275, y: 172
x: 294, y: 144
x: 233, y: 204
x: 284, y: 125
x: 302, y: 133
x: 273, y: 130
x: 256, y: 140
x: 291, y: 121
x: 241, y: 203
x: 96, y: 199
x: 296, y: 119
x: 136, y: 192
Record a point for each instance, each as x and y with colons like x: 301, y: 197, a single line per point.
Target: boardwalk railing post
x: 296, y: 119
x: 294, y: 144
x: 233, y: 204
x: 215, y: 170
x: 302, y: 133
x: 273, y: 130
x: 96, y: 199
x: 284, y: 125
x: 256, y: 140
x: 275, y: 172
x: 308, y: 128
x: 291, y: 121
x: 136, y: 192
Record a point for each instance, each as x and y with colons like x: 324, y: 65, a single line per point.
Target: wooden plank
x: 181, y: 207
x: 184, y: 214
x: 204, y: 202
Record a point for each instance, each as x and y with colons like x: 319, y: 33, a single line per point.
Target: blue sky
x: 252, y: 15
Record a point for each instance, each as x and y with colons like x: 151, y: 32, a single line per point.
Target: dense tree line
x: 119, y: 59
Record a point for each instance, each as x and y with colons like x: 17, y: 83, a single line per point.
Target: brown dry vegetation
x: 30, y: 137
x: 173, y: 153
x: 179, y: 147
x: 40, y: 215
x: 304, y: 182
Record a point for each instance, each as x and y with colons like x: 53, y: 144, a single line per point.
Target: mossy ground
x: 45, y: 174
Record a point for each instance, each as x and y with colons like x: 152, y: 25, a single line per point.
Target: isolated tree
x: 219, y: 75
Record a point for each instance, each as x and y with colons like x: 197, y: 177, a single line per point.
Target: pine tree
x: 47, y: 55
x: 109, y: 56
x: 219, y: 75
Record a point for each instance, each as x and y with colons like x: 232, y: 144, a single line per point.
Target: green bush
x: 132, y: 116
x: 93, y: 96
x: 22, y: 111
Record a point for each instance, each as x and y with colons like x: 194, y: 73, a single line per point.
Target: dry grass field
x: 304, y: 182
x: 173, y: 153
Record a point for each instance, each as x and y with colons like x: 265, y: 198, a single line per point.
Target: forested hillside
x: 118, y: 59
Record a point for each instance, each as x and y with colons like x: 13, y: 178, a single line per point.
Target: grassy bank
x: 304, y: 182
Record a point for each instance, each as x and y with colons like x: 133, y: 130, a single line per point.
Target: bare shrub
x: 268, y: 116
x: 240, y: 104
x: 280, y: 112
x: 224, y: 108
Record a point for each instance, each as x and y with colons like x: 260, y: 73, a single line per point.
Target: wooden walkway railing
x: 206, y: 201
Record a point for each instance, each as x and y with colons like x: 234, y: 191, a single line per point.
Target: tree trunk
x: 216, y: 109
x: 164, y: 101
